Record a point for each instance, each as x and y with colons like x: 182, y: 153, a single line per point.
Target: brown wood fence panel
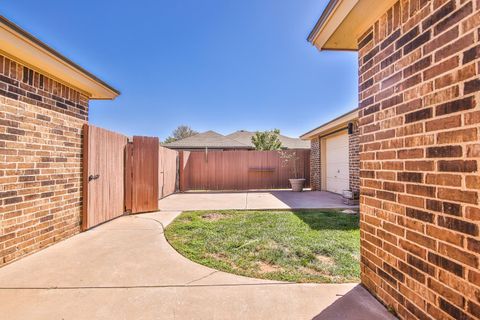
x: 145, y: 166
x: 240, y: 170
x: 128, y: 176
x: 168, y: 171
x: 103, y: 175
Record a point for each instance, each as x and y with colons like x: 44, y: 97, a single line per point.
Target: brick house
x: 419, y: 121
x: 334, y: 157
x: 44, y: 101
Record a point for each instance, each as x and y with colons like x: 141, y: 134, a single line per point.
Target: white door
x: 337, y: 167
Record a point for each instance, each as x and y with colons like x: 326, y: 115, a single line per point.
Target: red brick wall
x: 419, y: 135
x: 315, y: 165
x: 40, y: 160
x: 354, y: 158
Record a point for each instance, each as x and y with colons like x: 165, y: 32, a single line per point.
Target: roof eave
x: 23, y: 47
x: 322, y: 20
x: 344, y: 21
x: 331, y: 125
x: 331, y: 18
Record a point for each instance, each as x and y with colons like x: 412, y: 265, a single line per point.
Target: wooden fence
x: 131, y: 177
x: 150, y: 174
x: 103, y: 178
x: 240, y: 170
x: 121, y: 176
x: 142, y: 162
x: 168, y: 171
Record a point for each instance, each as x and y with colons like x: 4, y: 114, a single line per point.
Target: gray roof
x: 208, y: 139
x: 245, y: 137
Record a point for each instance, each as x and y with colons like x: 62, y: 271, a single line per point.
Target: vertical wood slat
x: 145, y: 193
x: 128, y: 176
x: 103, y: 156
x: 239, y: 170
x: 184, y: 156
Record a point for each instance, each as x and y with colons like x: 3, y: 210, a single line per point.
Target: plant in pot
x: 289, y: 159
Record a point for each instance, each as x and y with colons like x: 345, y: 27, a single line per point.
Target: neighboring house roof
x: 338, y: 123
x: 23, y: 47
x: 343, y: 22
x: 245, y: 137
x: 208, y: 139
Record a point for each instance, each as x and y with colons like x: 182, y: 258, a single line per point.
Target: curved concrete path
x: 125, y: 269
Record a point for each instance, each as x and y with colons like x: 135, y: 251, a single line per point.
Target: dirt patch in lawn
x: 313, y: 272
x: 214, y: 216
x: 268, y: 268
x: 328, y: 261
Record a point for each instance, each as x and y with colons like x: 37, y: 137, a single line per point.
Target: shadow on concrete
x: 357, y: 304
x: 310, y: 199
x: 330, y: 220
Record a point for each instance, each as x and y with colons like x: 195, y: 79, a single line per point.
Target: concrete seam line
x: 166, y: 286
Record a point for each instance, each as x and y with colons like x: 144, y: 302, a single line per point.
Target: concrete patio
x: 275, y: 199
x: 125, y: 269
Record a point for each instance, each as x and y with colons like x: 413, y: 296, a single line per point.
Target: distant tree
x: 267, y: 140
x: 181, y: 132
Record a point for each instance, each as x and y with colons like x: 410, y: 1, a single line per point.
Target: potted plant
x: 289, y: 159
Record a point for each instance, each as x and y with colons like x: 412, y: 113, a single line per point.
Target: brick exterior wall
x: 354, y: 158
x: 315, y: 165
x: 419, y: 139
x: 40, y: 160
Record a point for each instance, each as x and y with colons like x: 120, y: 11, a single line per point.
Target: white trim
x: 332, y: 22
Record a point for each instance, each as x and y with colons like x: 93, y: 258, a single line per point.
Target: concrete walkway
x: 282, y: 199
x: 125, y: 269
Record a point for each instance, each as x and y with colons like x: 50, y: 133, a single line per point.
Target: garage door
x: 337, y: 168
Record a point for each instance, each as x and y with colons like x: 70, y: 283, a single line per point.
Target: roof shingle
x: 208, y: 139
x: 245, y: 137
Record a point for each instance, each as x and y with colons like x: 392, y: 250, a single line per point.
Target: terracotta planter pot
x: 297, y: 184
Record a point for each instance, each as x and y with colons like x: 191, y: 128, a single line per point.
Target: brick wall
x: 40, y: 160
x: 315, y: 165
x: 419, y: 136
x: 354, y: 158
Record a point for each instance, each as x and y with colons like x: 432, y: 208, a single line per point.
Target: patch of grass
x: 297, y: 246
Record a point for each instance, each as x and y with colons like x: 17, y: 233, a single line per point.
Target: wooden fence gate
x: 103, y: 179
x: 142, y: 175
x: 121, y: 176
x: 240, y: 170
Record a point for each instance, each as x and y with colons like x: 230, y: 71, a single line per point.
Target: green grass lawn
x: 298, y: 246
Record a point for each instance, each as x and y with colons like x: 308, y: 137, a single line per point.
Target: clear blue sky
x: 219, y: 65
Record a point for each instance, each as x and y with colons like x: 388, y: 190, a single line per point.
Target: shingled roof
x: 209, y: 139
x: 245, y: 137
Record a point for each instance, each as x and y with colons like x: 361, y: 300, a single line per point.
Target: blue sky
x: 220, y: 65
